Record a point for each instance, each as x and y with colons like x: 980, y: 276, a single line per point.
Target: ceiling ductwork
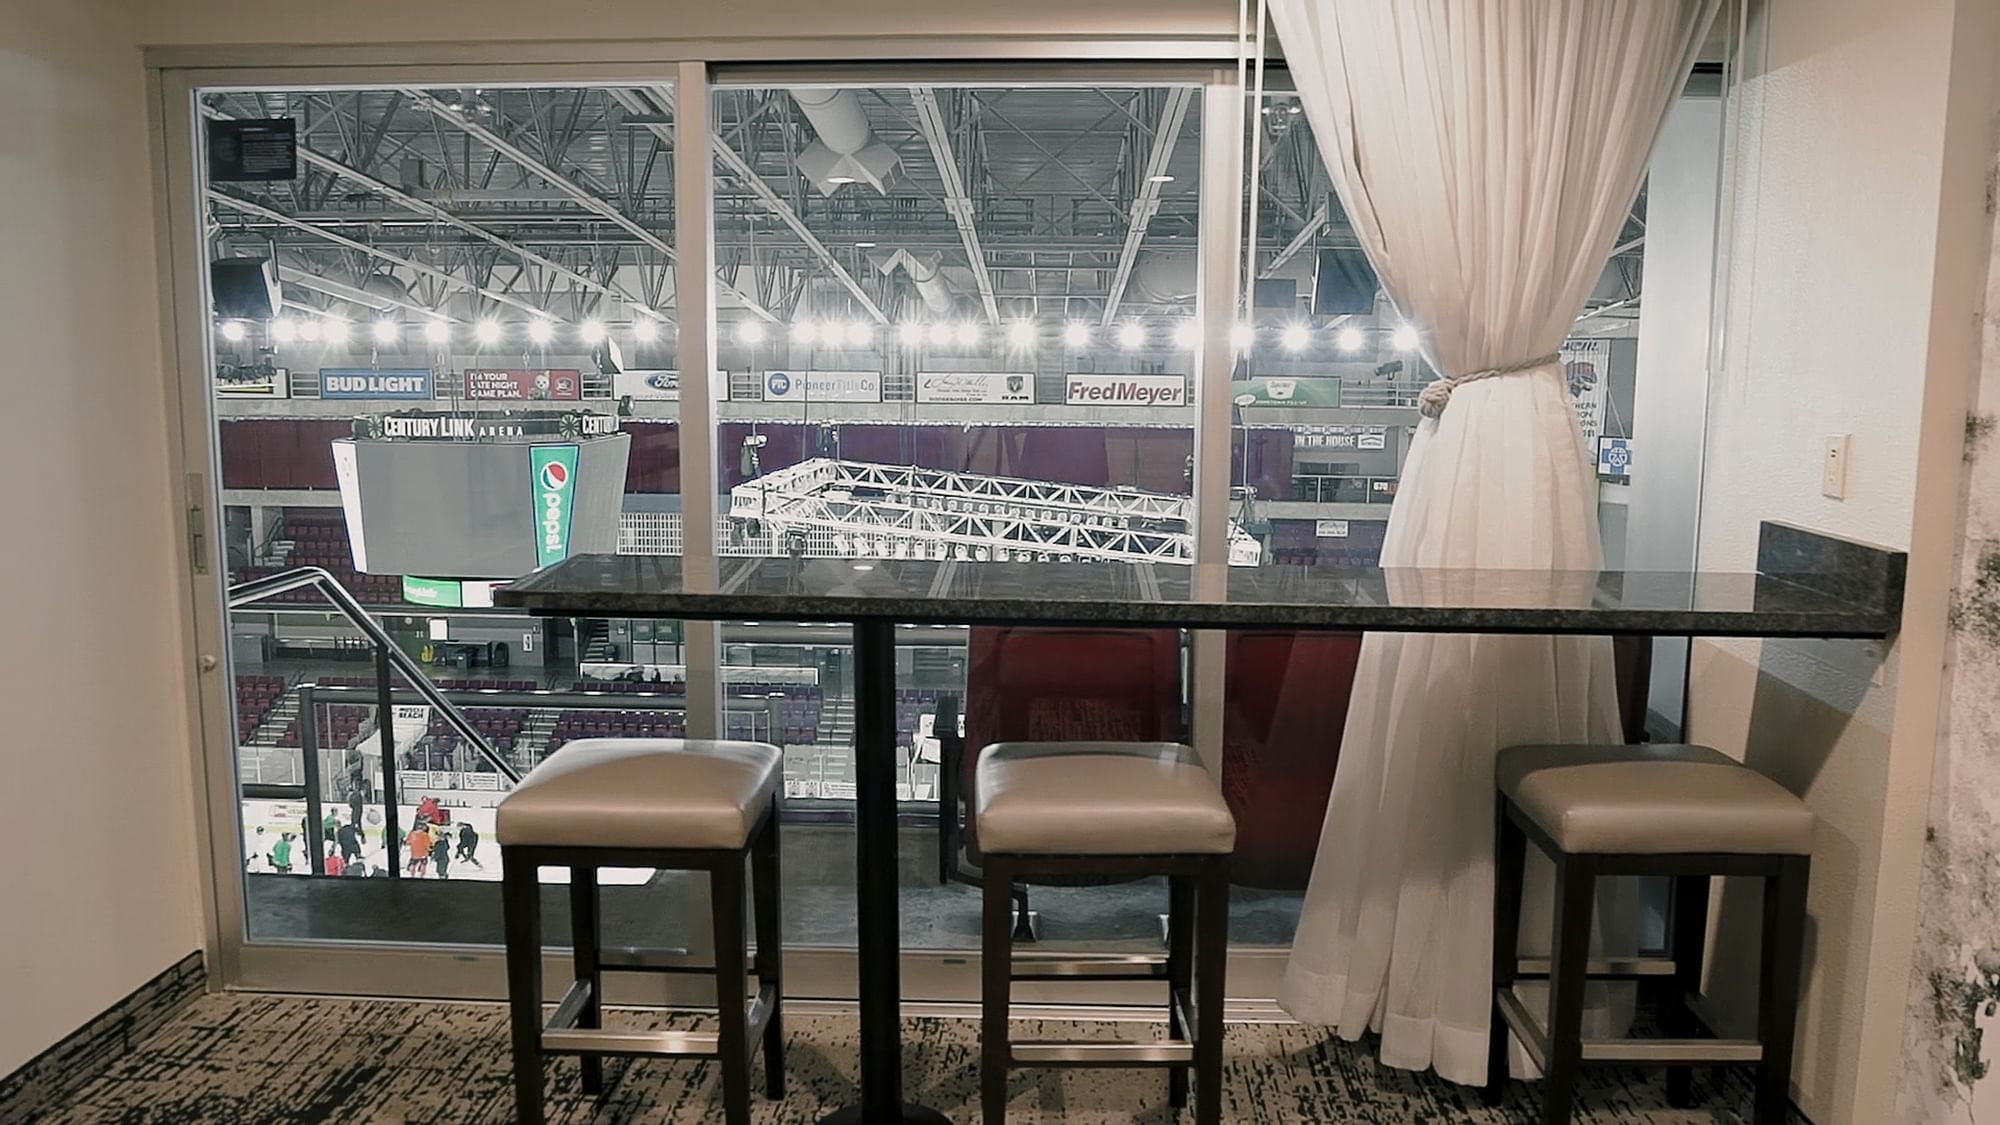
x: 925, y: 273
x: 847, y: 151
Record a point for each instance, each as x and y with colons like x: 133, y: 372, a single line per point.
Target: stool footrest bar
x: 1055, y: 1052
x: 1139, y: 966
x: 569, y: 1007
x: 1614, y: 968
x: 655, y: 1044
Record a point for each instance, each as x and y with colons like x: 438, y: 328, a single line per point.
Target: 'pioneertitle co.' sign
x: 1126, y: 390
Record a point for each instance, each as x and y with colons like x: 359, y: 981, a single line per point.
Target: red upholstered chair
x: 1285, y: 706
x: 1049, y: 685
x: 1286, y: 698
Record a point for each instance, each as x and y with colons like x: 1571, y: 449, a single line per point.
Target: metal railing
x: 388, y: 657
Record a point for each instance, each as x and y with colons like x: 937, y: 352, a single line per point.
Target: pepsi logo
x: 555, y: 477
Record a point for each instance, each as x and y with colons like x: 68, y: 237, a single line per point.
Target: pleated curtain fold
x: 1486, y: 153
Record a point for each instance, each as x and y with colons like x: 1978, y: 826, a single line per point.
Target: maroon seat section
x: 1053, y: 684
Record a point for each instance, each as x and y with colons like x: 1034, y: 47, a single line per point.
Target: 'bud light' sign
x: 553, y: 470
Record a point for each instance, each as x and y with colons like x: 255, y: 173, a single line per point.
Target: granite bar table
x: 1808, y: 586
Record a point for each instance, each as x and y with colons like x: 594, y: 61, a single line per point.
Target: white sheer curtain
x: 1486, y: 154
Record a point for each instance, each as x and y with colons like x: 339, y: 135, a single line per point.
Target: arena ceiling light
x: 540, y: 330
x: 1076, y: 334
x: 909, y: 333
x: 1243, y: 337
x: 1021, y: 334
x: 1187, y: 335
x: 646, y: 330
x: 1162, y: 178
x: 437, y: 331
x: 384, y: 331
x: 309, y: 330
x: 591, y: 332
x: 966, y: 335
x: 233, y: 330
x: 1404, y: 339
x: 939, y: 335
x: 860, y: 334
x: 1130, y: 336
x: 284, y: 330
x: 487, y: 332
x: 1295, y: 337
x: 333, y: 331
x: 749, y: 332
x: 804, y: 332
x: 1350, y: 339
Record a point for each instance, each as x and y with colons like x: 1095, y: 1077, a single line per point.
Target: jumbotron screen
x: 479, y: 509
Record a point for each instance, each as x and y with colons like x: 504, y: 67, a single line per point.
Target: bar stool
x: 1108, y: 808
x: 1687, y: 812
x: 670, y: 804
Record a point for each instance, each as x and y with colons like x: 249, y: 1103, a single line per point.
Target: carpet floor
x: 282, y: 1060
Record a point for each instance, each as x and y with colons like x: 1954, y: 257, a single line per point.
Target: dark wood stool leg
x: 521, y: 911
x: 585, y: 943
x: 731, y: 986
x: 770, y: 951
x: 1180, y: 976
x: 1778, y: 985
x: 996, y: 956
x: 1510, y: 847
x: 1211, y: 955
x: 1569, y: 959
x: 1690, y: 944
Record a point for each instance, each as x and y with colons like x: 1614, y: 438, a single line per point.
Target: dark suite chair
x: 1048, y: 685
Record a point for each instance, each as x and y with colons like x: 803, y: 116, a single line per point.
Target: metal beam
x: 431, y: 210
x: 930, y: 119
x: 740, y: 168
x: 1147, y: 202
x: 1300, y: 241
x: 451, y: 280
x: 584, y: 198
x: 342, y: 291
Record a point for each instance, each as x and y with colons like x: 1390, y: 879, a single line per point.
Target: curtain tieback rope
x: 1432, y: 401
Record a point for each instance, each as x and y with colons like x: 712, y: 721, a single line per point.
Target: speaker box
x: 1280, y: 293
x: 245, y: 288
x: 1344, y: 284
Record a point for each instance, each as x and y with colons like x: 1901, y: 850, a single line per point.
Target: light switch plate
x: 1833, y: 467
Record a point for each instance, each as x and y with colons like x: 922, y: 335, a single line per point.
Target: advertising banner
x: 553, y: 470
x: 261, y: 382
x: 822, y: 386
x: 1270, y: 391
x: 1339, y: 437
x: 1330, y: 529
x: 1126, y: 390
x: 444, y: 593
x: 488, y: 383
x: 660, y: 385
x: 376, y: 382
x: 975, y: 387
x: 1614, y: 457
x: 1587, y: 367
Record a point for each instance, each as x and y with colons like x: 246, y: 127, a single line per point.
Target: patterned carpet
x: 276, y: 1060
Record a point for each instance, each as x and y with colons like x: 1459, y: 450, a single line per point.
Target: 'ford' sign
x: 376, y: 382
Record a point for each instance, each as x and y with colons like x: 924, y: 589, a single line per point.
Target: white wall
x: 98, y: 884
x: 1847, y: 311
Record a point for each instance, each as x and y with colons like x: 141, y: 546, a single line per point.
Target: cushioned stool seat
x: 1099, y: 798
x: 1652, y: 800
x: 643, y: 793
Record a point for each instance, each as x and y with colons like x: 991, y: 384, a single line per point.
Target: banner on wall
x: 376, y: 382
x: 1330, y: 529
x: 991, y: 387
x: 661, y: 386
x: 523, y: 385
x: 1587, y: 368
x: 267, y: 382
x: 1272, y: 391
x: 1363, y: 438
x: 553, y: 469
x: 1614, y: 457
x: 1125, y: 390
x: 822, y: 386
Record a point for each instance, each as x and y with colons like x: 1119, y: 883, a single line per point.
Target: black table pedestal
x: 878, y: 931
